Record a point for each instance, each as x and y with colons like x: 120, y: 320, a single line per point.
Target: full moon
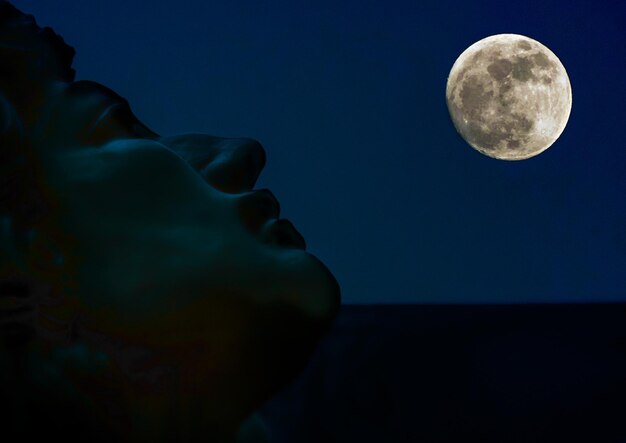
x: 509, y: 96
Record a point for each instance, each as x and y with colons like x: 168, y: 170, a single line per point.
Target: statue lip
x: 281, y: 232
x: 259, y: 211
x: 256, y: 208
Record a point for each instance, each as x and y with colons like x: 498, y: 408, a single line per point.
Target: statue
x: 144, y: 285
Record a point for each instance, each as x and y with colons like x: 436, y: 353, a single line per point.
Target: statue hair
x: 30, y: 56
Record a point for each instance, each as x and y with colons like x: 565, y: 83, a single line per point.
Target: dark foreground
x: 521, y: 373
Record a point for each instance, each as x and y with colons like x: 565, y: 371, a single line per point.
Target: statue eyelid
x: 100, y: 118
x: 121, y: 110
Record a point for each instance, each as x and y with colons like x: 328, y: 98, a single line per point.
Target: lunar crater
x: 500, y: 69
x: 523, y: 69
x: 541, y: 60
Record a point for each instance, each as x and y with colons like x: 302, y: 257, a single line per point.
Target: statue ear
x: 21, y: 246
x: 30, y: 262
x: 27, y: 254
x: 14, y: 170
x: 11, y: 128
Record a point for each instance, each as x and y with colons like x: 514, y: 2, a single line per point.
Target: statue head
x: 148, y: 268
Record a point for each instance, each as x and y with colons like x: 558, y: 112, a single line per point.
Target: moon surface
x: 509, y: 96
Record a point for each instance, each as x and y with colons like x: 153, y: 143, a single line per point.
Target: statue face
x: 161, y: 241
x: 178, y: 301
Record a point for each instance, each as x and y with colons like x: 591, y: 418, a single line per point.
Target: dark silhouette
x: 147, y: 292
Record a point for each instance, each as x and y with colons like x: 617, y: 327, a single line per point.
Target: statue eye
x: 114, y: 122
x: 113, y: 112
x: 117, y: 121
x: 106, y: 115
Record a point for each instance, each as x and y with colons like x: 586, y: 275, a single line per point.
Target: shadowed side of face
x: 161, y: 255
x: 168, y: 245
x: 151, y: 214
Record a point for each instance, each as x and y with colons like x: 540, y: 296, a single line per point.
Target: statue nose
x: 237, y: 166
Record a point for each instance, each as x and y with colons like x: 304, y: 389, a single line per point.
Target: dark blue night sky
x: 348, y: 98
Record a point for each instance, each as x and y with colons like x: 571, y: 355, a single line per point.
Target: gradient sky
x: 348, y: 98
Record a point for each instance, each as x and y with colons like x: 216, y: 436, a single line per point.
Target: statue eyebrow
x: 82, y: 87
x: 115, y: 103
